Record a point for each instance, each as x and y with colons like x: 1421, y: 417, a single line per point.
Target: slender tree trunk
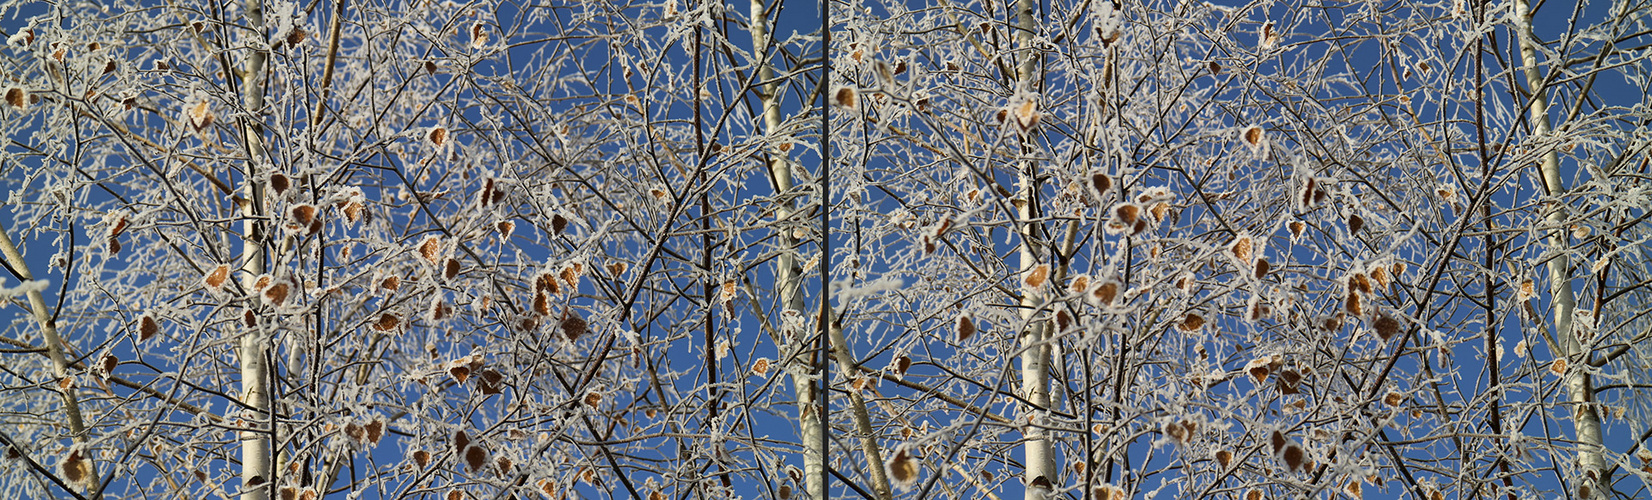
x: 1035, y: 356
x: 256, y: 461
x: 1579, y: 388
x: 1035, y: 361
x: 54, y: 350
x: 863, y: 418
x: 787, y: 275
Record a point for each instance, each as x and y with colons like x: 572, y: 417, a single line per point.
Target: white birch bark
x: 256, y: 460
x: 863, y: 419
x: 1577, y: 383
x: 1035, y: 354
x: 788, y: 276
x: 54, y: 350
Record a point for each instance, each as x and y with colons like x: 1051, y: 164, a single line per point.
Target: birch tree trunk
x: 54, y: 350
x: 256, y: 460
x: 787, y: 275
x: 1035, y: 354
x: 1577, y: 382
x: 863, y: 420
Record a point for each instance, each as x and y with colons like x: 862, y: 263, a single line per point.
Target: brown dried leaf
x: 17, y: 97
x: 1309, y: 194
x: 1104, y: 293
x: 1241, y: 248
x: 570, y: 277
x: 541, y: 303
x: 573, y: 326
x: 1192, y: 322
x: 1078, y: 284
x: 354, y: 211
x: 296, y: 36
x: 1027, y: 115
x: 387, y: 322
x: 1037, y: 276
x: 431, y: 248
x: 1558, y: 367
x: 1176, y: 432
x: 903, y: 469
x: 77, y: 468
x: 1101, y: 183
x: 1253, y: 136
x: 147, y: 327
x: 459, y: 372
x: 375, y: 431
x: 461, y: 440
x: 280, y: 183
x: 1288, y: 381
x: 1126, y: 213
x: 200, y: 115
x: 845, y: 97
x: 1160, y: 211
x: 276, y: 294
x: 558, y: 223
x: 1386, y: 326
x: 216, y: 279
x: 107, y: 364
x: 1295, y: 458
x: 546, y: 282
x: 302, y: 214
x: 438, y: 310
x: 490, y: 381
x: 1259, y: 310
x: 475, y: 458
x: 1258, y: 369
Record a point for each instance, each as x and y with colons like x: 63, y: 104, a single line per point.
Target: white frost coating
x: 1108, y: 21
x: 23, y: 288
x: 846, y: 293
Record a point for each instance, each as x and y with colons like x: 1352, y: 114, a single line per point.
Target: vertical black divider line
x: 823, y: 364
